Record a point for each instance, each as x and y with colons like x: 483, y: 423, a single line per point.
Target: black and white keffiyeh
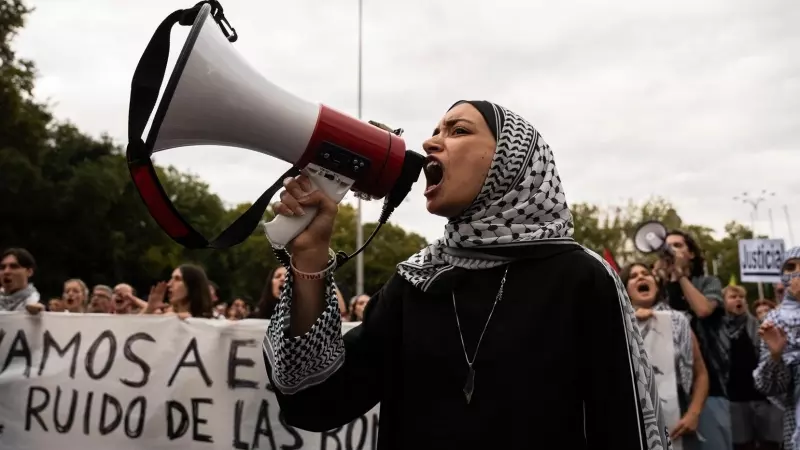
x: 521, y: 203
x: 18, y: 300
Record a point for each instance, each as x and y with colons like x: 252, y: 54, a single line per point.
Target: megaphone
x: 215, y: 97
x: 650, y: 237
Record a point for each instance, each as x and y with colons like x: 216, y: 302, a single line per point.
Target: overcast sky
x: 693, y: 100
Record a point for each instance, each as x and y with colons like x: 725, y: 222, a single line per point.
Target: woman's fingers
x: 325, y: 205
x: 282, y: 210
x: 297, y: 187
x: 157, y: 291
x: 292, y: 207
x: 305, y: 183
x: 294, y: 196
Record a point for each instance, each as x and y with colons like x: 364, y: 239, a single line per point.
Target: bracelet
x: 318, y: 275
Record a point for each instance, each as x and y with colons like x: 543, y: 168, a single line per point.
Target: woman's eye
x: 459, y: 130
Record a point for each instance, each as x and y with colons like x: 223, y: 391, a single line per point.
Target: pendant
x: 469, y: 386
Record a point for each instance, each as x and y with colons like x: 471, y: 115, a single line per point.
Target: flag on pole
x: 609, y: 257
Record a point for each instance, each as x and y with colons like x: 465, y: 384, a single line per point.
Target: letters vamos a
x: 107, y: 383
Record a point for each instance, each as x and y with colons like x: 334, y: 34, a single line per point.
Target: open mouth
x: 434, y: 173
x: 643, y: 288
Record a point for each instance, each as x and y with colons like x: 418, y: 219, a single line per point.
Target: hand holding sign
x: 774, y: 337
x: 34, y: 308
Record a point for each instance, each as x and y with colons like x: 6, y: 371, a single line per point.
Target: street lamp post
x: 754, y: 202
x: 359, y: 227
x: 789, y: 224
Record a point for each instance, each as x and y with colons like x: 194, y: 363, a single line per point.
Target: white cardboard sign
x: 760, y: 260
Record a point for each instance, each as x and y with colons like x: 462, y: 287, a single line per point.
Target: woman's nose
x: 432, y: 145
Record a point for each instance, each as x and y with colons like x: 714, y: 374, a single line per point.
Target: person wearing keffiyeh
x: 690, y: 371
x: 698, y: 295
x: 504, y: 333
x: 778, y: 373
x: 16, y: 268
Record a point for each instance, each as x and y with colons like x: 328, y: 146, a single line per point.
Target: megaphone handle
x: 282, y: 229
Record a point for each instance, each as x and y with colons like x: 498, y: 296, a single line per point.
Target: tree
x: 241, y: 271
x: 390, y: 246
x: 69, y: 196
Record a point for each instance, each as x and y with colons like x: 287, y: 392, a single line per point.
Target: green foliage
x: 390, y: 246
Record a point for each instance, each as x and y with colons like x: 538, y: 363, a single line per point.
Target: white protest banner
x: 760, y: 260
x: 89, y: 382
x: 657, y: 335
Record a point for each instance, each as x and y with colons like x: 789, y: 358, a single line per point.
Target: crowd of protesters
x: 188, y: 293
x: 735, y: 383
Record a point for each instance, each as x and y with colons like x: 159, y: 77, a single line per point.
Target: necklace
x: 469, y: 386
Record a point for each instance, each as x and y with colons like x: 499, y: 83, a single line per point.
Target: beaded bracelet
x: 317, y: 275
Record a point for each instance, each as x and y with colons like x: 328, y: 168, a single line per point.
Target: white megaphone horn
x: 650, y: 237
x: 214, y: 97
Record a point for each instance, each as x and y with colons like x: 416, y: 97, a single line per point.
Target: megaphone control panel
x: 341, y: 161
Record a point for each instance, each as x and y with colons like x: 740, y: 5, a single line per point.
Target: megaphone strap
x: 145, y: 87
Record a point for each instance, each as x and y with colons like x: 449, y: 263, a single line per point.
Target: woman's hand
x: 687, y: 425
x: 644, y: 314
x: 155, y: 300
x: 310, y: 248
x: 774, y: 337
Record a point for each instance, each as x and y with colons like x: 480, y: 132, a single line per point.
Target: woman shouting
x: 504, y: 333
